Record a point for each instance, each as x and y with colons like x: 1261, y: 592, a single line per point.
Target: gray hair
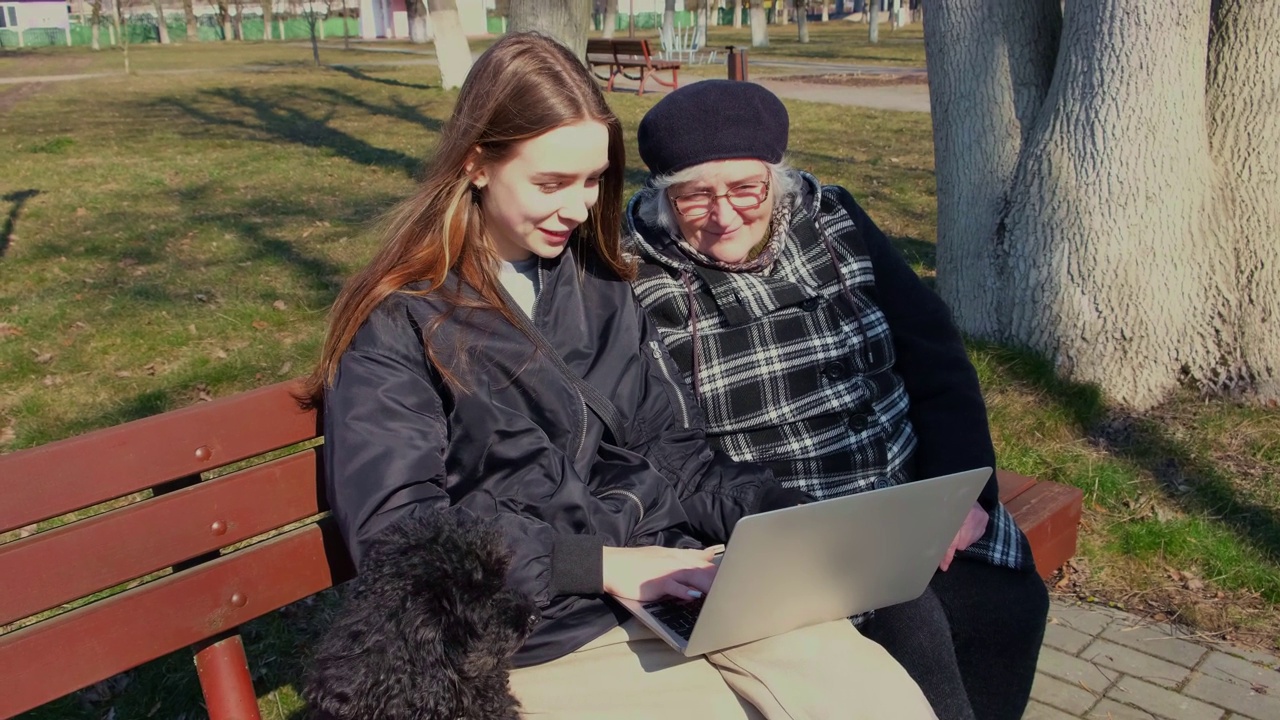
x: 658, y: 211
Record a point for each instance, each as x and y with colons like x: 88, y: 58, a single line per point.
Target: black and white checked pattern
x: 792, y: 372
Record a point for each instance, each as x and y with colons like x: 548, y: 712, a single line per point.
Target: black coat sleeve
x: 715, y: 490
x: 386, y: 439
x: 947, y: 409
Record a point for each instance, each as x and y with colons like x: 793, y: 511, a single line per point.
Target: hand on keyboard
x: 651, y: 573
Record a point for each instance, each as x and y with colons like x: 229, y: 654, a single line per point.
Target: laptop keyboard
x: 678, y: 615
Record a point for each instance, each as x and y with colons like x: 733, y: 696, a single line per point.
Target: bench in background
x: 619, y: 56
x: 193, y: 517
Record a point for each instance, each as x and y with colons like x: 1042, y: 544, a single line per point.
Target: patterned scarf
x: 762, y: 262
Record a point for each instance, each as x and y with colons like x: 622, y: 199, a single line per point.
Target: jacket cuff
x: 776, y: 497
x: 577, y: 565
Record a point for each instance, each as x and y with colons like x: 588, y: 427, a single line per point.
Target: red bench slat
x: 79, y: 472
x: 1012, y: 485
x: 50, y: 659
x: 81, y: 558
x: 1049, y: 515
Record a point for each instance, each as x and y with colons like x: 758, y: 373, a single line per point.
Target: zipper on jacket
x: 582, y: 435
x: 666, y: 372
x: 635, y: 500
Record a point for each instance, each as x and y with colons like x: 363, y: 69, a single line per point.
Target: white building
x: 22, y: 15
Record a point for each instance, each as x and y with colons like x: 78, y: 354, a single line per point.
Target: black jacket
x: 520, y: 445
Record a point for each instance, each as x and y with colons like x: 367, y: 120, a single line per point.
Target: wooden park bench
x: 169, y: 511
x: 619, y: 56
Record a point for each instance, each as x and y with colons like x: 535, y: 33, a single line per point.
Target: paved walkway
x: 1105, y: 664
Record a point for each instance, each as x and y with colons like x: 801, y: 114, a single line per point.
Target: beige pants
x: 824, y: 672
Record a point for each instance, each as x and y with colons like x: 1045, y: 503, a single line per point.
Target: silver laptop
x: 810, y: 564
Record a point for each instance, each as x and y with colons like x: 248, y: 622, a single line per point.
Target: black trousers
x: 971, y: 640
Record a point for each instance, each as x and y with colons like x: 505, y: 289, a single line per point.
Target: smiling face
x: 725, y: 233
x: 534, y: 198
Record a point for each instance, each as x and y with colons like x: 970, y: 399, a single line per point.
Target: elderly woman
x: 814, y: 349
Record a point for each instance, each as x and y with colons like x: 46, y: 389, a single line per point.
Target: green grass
x: 164, y: 236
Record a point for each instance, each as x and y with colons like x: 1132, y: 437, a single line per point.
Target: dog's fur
x: 427, y: 630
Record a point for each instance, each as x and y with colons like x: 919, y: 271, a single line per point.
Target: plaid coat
x: 837, y: 368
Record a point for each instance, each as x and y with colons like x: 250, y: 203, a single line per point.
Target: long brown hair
x: 525, y: 85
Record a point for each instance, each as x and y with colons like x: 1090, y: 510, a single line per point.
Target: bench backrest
x: 631, y: 48
x: 163, y: 511
x: 602, y: 51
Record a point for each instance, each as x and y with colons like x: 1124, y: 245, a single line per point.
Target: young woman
x: 491, y: 362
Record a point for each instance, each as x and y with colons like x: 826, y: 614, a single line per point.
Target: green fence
x: 644, y: 21
x: 146, y: 30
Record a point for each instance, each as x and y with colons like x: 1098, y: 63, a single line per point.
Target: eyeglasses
x: 743, y: 197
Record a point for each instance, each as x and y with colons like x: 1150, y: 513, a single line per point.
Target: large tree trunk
x: 161, y: 27
x: 452, y: 50
x: 96, y: 19
x: 564, y: 20
x: 1243, y: 93
x: 1104, y: 202
x: 873, y: 20
x: 193, y: 29
x: 826, y: 10
x: 759, y: 24
x: 268, y: 19
x: 802, y: 20
x: 737, y: 13
x: 610, y: 18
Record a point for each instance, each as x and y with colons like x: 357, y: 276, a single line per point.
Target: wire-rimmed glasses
x: 742, y: 197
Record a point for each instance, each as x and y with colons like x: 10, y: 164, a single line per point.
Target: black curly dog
x: 427, y: 630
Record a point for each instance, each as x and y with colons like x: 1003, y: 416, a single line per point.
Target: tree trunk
x: 737, y: 13
x: 122, y: 31
x: 224, y: 16
x: 96, y: 20
x: 826, y: 10
x: 268, y: 19
x: 161, y: 27
x: 1081, y: 216
x: 610, y: 18
x: 316, y: 31
x: 417, y: 17
x: 873, y: 19
x: 759, y: 24
x: 452, y: 50
x: 346, y: 27
x: 668, y: 24
x: 1243, y: 93
x: 564, y: 20
x: 702, y: 14
x: 193, y: 28
x: 802, y: 20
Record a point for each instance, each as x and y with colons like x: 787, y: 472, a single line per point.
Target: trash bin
x: 737, y: 60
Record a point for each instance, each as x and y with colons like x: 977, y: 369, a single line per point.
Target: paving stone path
x: 1099, y: 663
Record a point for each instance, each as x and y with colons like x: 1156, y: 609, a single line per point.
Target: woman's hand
x: 652, y: 573
x: 975, y: 524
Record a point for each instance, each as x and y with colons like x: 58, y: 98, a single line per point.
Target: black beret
x: 713, y: 120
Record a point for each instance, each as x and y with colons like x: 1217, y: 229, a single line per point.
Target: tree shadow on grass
x: 359, y: 75
x: 272, y: 121
x: 1184, y: 477
x: 18, y: 198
